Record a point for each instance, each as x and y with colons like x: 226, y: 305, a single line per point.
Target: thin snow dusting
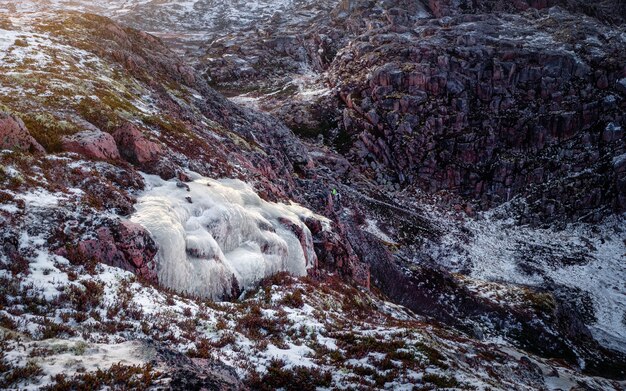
x: 45, y: 274
x: 246, y: 100
x: 77, y: 356
x: 41, y: 198
x: 294, y: 355
x: 210, y: 232
x: 7, y: 39
x: 310, y: 85
x: 372, y: 227
x: 324, y: 325
x: 183, y: 16
x: 588, y: 258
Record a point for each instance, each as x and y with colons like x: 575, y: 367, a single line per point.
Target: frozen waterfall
x: 219, y: 231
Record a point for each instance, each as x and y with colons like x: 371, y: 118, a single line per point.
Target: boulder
x: 196, y: 373
x: 92, y: 144
x: 135, y: 147
x: 337, y: 255
x: 15, y: 136
x: 123, y: 244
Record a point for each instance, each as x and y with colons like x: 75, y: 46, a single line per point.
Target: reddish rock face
x: 92, y: 144
x: 611, y: 10
x: 135, y: 147
x: 465, y: 108
x: 135, y: 243
x: 15, y: 136
x: 125, y: 245
x: 336, y: 254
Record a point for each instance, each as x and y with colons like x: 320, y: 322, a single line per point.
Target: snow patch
x: 372, y: 227
x: 501, y: 251
x: 76, y: 356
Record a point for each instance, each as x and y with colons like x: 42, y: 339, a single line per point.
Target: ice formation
x: 215, y: 232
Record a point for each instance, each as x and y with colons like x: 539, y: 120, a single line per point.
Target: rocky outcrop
x: 442, y: 8
x: 551, y: 323
x: 135, y: 147
x: 613, y: 11
x: 122, y: 244
x: 336, y: 255
x: 196, y: 374
x: 15, y: 136
x: 148, y: 156
x: 92, y: 144
x: 208, y: 132
x: 467, y: 106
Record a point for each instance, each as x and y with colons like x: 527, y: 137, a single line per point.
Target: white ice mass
x: 220, y: 231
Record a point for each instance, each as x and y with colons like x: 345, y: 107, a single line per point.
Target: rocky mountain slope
x: 478, y: 149
x: 490, y: 107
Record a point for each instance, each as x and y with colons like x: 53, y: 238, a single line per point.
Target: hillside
x: 168, y: 221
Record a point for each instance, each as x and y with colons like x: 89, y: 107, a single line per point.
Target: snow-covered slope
x: 211, y: 232
x: 186, y: 17
x: 584, y: 263
x: 323, y: 334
